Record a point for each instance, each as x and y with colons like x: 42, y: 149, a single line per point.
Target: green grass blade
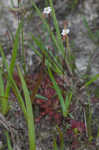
x: 12, y: 82
x: 41, y: 97
x: 15, y: 47
x: 55, y: 42
x: 1, y: 85
x: 68, y: 99
x: 93, y: 79
x: 8, y: 141
x: 46, y: 25
x: 88, y: 119
x: 61, y: 138
x: 5, y: 101
x: 90, y: 33
x: 14, y: 54
x: 59, y: 38
x: 58, y: 91
x: 11, y: 67
x: 23, y: 51
x: 67, y: 103
x: 50, y: 59
x: 55, y: 147
x: 2, y: 101
x: 58, y: 43
x: 30, y: 117
x: 35, y: 50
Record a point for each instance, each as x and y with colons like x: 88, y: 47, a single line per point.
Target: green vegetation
x: 54, y: 66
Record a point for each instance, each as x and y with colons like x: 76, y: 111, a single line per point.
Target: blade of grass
x: 30, y: 117
x: 1, y: 92
x: 68, y: 102
x: 93, y: 79
x: 11, y: 67
x: 61, y: 138
x: 48, y: 61
x: 60, y: 42
x: 88, y: 117
x: 41, y: 97
x: 10, y: 77
x: 90, y: 33
x: 51, y: 58
x: 23, y: 51
x: 57, y: 28
x: 64, y: 105
x: 55, y: 147
x: 58, y: 91
x: 8, y: 141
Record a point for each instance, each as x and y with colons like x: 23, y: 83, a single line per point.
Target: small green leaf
x: 41, y: 97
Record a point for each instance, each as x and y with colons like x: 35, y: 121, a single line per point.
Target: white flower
x: 47, y: 10
x: 65, y: 32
